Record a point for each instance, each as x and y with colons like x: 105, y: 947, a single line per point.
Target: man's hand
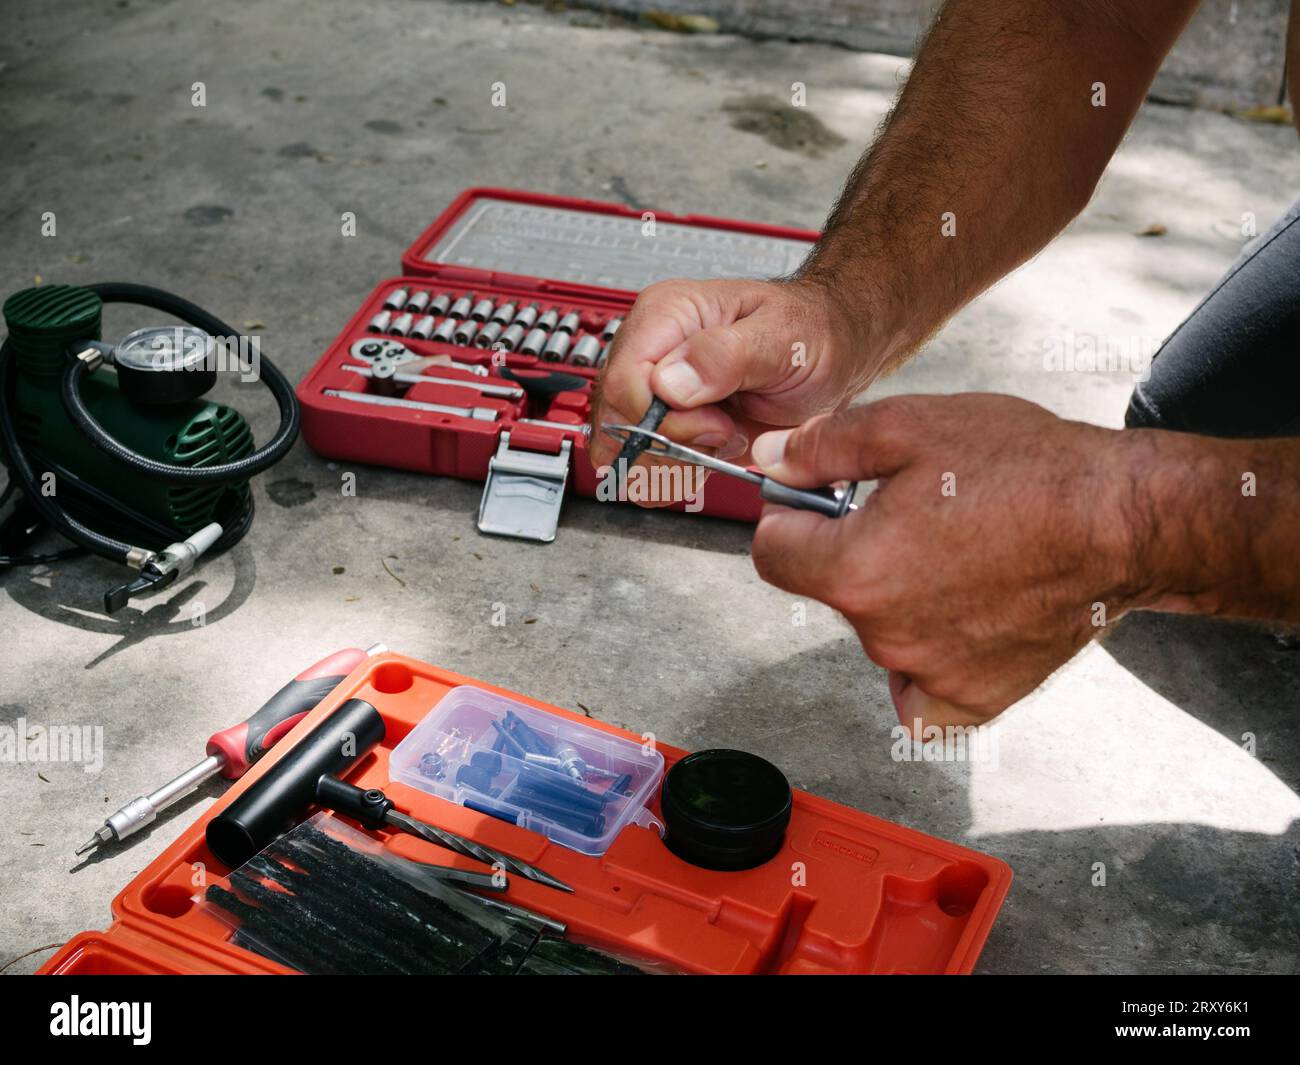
x: 999, y: 539
x: 732, y: 359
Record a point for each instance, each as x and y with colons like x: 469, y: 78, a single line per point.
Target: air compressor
x: 114, y: 445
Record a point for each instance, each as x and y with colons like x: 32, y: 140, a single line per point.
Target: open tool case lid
x: 579, y: 255
x: 582, y: 248
x: 847, y: 893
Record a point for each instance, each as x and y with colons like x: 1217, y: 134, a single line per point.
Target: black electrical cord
x: 23, y: 474
x: 240, y: 469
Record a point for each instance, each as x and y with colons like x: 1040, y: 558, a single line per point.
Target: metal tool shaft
x: 482, y: 414
x: 487, y: 389
x: 829, y: 501
x: 140, y: 812
x: 442, y: 838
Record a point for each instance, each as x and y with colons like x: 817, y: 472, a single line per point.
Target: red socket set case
x: 581, y: 259
x: 846, y: 893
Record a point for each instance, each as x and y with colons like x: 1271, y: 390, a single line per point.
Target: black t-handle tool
x: 308, y: 775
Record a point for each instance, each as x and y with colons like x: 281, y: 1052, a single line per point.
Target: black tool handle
x: 833, y: 502
x: 544, y: 384
x: 279, y: 798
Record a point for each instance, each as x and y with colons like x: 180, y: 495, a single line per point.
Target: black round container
x: 725, y: 810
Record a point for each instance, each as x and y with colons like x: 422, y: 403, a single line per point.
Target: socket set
x: 479, y: 361
x: 549, y: 333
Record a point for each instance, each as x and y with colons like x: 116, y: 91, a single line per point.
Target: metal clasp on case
x: 523, y: 492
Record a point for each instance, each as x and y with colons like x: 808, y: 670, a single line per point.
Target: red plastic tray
x: 848, y: 893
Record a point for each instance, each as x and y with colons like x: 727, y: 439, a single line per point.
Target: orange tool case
x: 847, y: 893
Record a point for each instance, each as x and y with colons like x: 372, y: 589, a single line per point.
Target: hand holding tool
x: 233, y: 750
x: 830, y: 501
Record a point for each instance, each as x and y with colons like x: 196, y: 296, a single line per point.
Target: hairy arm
x: 1050, y: 532
x: 998, y: 139
x: 1221, y: 525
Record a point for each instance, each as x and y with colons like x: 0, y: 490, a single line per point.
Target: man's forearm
x: 1217, y: 524
x: 994, y: 145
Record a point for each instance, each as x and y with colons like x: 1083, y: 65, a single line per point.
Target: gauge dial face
x: 164, y: 348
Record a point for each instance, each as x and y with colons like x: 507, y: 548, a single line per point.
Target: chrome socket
x: 585, y: 352
x: 511, y: 338
x: 557, y: 347
x: 487, y: 334
x: 534, y: 343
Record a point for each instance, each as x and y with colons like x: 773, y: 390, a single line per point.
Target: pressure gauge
x: 165, y: 364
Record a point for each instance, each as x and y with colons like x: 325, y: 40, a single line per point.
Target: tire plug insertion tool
x: 830, y: 501
x: 232, y: 751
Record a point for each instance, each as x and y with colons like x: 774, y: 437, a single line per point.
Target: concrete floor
x: 1131, y: 756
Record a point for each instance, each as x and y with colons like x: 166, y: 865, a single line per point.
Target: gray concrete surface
x: 1232, y: 55
x: 1131, y: 756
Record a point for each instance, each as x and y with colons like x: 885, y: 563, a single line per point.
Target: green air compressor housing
x: 44, y: 323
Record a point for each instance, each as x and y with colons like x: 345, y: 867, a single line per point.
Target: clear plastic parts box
x: 576, y: 785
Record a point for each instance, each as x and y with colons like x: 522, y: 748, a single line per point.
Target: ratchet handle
x: 243, y: 744
x: 832, y: 502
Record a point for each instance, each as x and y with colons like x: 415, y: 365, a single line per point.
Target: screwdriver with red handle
x: 232, y: 751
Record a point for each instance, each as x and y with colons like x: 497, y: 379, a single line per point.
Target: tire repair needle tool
x: 469, y: 848
x: 374, y: 809
x: 232, y: 751
x: 830, y: 501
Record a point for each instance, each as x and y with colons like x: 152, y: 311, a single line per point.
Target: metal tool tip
x: 550, y: 881
x: 630, y: 432
x: 102, y: 835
